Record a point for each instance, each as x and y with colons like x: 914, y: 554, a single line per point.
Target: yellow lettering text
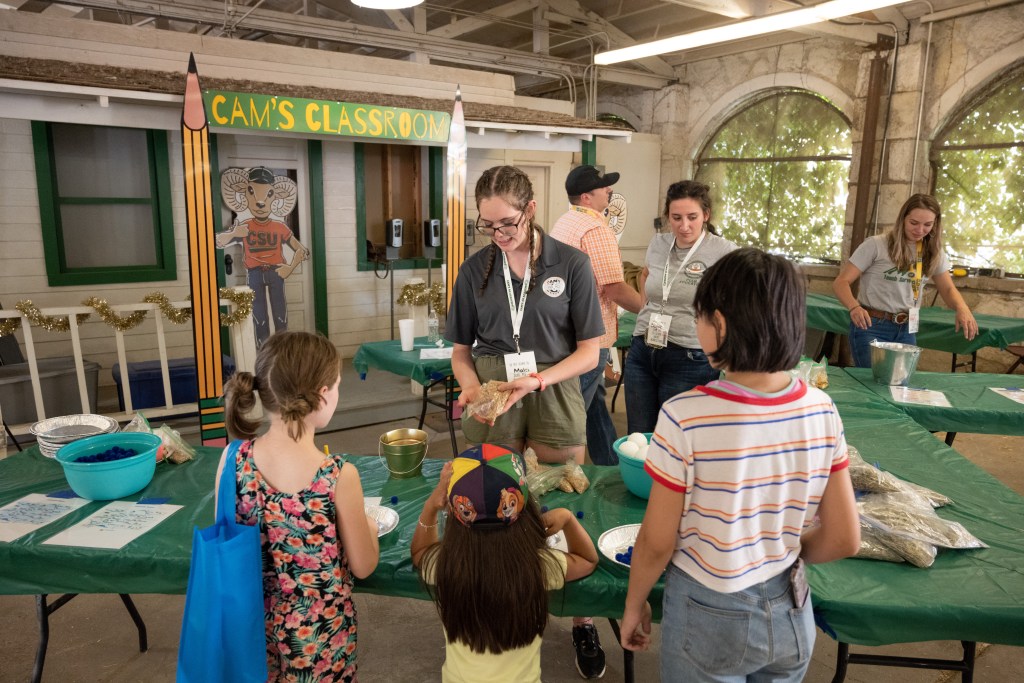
x: 287, y: 118
x: 419, y: 125
x: 360, y: 128
x: 437, y: 128
x: 311, y: 122
x: 404, y: 124
x: 237, y: 112
x: 389, y: 123
x: 343, y: 121
x: 217, y: 116
x: 375, y: 125
x: 258, y: 120
x: 327, y: 120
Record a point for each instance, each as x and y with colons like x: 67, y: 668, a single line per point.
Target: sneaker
x: 589, y: 655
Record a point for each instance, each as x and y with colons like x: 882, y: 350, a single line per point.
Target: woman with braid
x: 525, y: 312
x: 524, y: 304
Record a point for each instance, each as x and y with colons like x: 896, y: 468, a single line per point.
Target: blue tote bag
x: 222, y: 630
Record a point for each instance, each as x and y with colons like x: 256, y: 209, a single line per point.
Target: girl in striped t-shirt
x: 741, y: 469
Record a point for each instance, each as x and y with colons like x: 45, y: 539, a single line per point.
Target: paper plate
x: 386, y: 518
x: 618, y: 540
x: 558, y: 542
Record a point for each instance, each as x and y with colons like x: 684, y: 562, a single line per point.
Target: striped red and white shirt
x: 752, y: 469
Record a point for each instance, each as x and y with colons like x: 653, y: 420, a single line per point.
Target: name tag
x: 519, y: 365
x: 657, y: 330
x: 914, y: 319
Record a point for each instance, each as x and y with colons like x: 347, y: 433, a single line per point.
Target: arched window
x: 779, y: 173
x: 979, y: 180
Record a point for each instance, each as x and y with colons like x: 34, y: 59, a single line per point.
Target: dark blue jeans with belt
x: 653, y: 376
x: 882, y: 330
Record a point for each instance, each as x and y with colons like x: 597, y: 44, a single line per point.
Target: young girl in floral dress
x: 309, y: 507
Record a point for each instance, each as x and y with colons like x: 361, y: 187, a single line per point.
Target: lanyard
x: 666, y: 285
x: 915, y: 283
x: 516, y: 311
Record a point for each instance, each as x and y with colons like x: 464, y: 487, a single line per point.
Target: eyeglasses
x: 506, y: 228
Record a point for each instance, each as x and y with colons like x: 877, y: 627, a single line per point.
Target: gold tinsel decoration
x: 51, y: 323
x: 121, y: 323
x: 178, y: 316
x: 417, y: 295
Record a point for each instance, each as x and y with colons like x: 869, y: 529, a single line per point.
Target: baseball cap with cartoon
x: 488, y: 485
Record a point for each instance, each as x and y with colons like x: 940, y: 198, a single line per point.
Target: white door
x: 283, y: 156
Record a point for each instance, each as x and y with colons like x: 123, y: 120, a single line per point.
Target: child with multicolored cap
x: 494, y: 549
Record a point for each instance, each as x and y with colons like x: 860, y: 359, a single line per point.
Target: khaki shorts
x: 555, y: 417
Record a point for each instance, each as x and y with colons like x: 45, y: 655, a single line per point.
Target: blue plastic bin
x: 148, y: 385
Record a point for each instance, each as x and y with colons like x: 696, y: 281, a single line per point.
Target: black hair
x: 763, y: 300
x: 261, y: 174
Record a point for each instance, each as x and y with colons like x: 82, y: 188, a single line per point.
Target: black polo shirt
x: 562, y: 308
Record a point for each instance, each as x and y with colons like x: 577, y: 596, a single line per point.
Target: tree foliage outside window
x: 979, y: 180
x: 779, y: 172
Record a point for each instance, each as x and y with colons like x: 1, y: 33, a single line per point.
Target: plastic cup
x: 408, y: 335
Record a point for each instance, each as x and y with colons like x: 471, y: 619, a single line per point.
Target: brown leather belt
x: 898, y: 318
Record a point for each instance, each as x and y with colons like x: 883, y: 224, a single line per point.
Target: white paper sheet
x: 1012, y: 393
x: 436, y: 354
x: 32, y: 512
x: 924, y: 397
x: 114, y: 526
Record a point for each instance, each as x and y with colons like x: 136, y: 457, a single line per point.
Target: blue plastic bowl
x: 113, y: 479
x: 632, y: 470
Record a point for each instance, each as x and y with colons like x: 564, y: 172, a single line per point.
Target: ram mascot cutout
x: 265, y: 198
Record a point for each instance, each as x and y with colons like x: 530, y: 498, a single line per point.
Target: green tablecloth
x: 967, y: 595
x: 389, y: 356
x: 975, y: 595
x: 856, y: 402
x: 975, y: 408
x: 937, y: 326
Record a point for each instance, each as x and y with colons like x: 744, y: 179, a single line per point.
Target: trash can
x: 148, y: 385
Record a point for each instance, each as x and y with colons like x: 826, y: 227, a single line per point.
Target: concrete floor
x: 93, y: 639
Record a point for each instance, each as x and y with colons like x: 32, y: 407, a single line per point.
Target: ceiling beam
x: 328, y: 30
x: 620, y: 38
x: 398, y: 20
x: 484, y: 19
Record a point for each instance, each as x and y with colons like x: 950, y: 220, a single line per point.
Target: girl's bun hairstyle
x: 291, y: 368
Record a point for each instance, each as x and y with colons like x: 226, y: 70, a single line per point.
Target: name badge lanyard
x: 666, y: 285
x: 915, y: 283
x: 516, y: 311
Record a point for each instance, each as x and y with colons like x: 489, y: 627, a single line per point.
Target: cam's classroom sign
x: 324, y: 117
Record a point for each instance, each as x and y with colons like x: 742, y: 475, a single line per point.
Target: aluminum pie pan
x: 386, y: 518
x: 618, y: 540
x: 67, y: 428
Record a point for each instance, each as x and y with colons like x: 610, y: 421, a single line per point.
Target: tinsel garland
x: 417, y: 295
x: 51, y: 323
x: 123, y: 323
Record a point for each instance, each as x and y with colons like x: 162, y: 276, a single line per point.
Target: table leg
x: 965, y: 665
x: 627, y: 655
x: 949, y: 438
x: 622, y: 375
x: 423, y: 410
x: 43, y: 612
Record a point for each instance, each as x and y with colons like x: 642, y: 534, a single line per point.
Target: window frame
x: 435, y: 203
x: 57, y: 271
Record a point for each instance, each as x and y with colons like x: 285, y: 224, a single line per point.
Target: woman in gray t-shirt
x: 665, y: 357
x: 893, y: 269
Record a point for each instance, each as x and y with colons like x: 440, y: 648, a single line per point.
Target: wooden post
x: 456, y: 252
x: 202, y: 261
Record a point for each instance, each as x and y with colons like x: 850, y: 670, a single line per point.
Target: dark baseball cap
x: 586, y: 178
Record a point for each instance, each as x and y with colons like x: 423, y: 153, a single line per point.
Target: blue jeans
x: 600, y: 430
x: 882, y: 330
x: 752, y: 635
x: 653, y: 376
x: 263, y: 282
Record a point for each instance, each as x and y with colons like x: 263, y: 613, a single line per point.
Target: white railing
x: 243, y: 348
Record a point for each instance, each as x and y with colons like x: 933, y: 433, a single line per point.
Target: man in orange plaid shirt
x: 585, y: 227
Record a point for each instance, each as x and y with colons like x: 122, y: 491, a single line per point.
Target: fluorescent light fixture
x: 386, y: 4
x: 782, y: 21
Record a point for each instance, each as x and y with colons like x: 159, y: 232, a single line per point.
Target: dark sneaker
x: 589, y: 655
